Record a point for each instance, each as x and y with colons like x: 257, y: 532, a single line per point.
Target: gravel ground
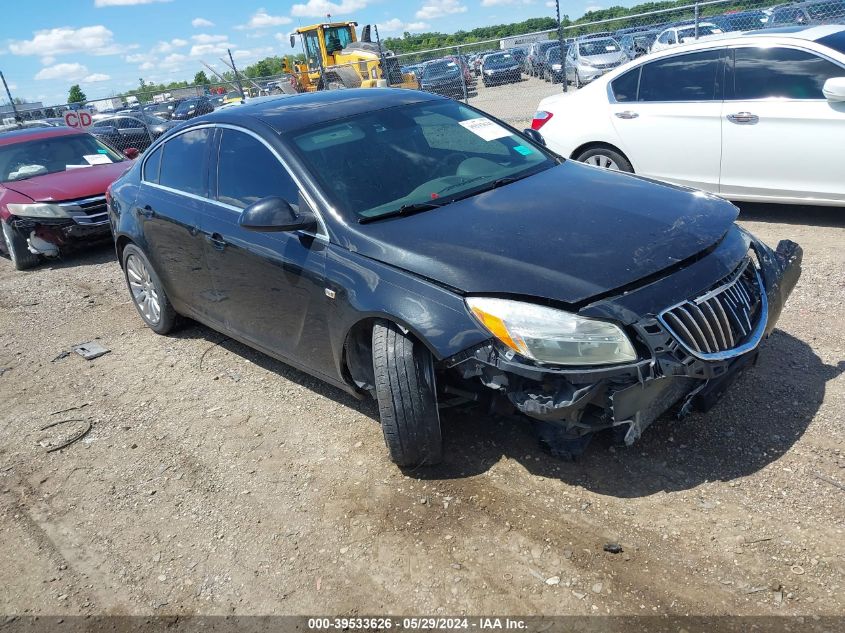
x: 216, y: 480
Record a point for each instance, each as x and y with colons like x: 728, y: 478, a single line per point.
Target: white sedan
x: 756, y: 117
x: 683, y: 33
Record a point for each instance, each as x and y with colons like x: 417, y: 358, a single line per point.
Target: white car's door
x: 667, y: 114
x: 781, y: 140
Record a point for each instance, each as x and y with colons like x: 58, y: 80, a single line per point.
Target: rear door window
x: 625, y: 87
x: 184, y: 165
x: 689, y: 77
x: 152, y: 165
x: 779, y: 73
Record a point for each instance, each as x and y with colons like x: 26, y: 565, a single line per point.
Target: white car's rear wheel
x: 606, y: 158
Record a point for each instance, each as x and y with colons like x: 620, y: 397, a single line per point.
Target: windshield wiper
x: 405, y: 209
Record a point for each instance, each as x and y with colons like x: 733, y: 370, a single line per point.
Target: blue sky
x: 107, y: 45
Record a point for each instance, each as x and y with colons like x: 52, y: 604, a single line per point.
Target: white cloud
x: 593, y: 7
x: 320, y: 8
x: 204, y: 50
x: 253, y: 55
x: 88, y: 40
x: 48, y: 60
x: 95, y: 77
x: 498, y: 3
x: 432, y: 9
x: 123, y: 3
x: 262, y: 20
x: 396, y: 25
x: 68, y: 72
x: 205, y: 38
x: 550, y: 4
x: 167, y: 47
x: 198, y: 23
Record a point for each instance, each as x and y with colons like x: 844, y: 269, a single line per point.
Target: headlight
x: 488, y: 72
x: 37, y: 210
x: 555, y: 66
x: 553, y: 336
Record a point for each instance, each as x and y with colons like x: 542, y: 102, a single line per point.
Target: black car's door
x: 271, y: 285
x: 132, y: 133
x: 174, y: 186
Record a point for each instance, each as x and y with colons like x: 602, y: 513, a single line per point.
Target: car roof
x: 811, y: 33
x: 291, y: 112
x: 36, y: 133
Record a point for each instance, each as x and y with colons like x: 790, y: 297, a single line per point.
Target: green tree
x: 76, y: 95
x: 201, y: 79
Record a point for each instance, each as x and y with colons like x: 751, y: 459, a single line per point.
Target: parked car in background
x: 638, y: 44
x: 52, y: 191
x: 536, y: 57
x: 553, y: 69
x: 407, y: 247
x: 808, y: 13
x: 189, y: 108
x: 163, y: 110
x: 130, y: 131
x: 500, y: 68
x: 682, y: 33
x: 740, y: 21
x: 442, y: 77
x: 671, y: 116
x: 589, y: 59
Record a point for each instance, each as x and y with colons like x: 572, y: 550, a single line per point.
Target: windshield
x: 421, y: 154
x: 441, y: 69
x: 598, y: 47
x: 187, y: 106
x: 50, y: 155
x: 504, y: 59
x: 554, y: 54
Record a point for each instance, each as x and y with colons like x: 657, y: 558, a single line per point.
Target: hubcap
x: 142, y: 287
x: 601, y: 160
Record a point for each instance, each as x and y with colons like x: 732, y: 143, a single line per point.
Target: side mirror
x: 131, y: 152
x: 292, y: 40
x: 834, y: 89
x: 274, y: 214
x: 535, y: 136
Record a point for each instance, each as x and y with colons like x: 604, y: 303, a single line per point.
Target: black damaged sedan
x: 404, y: 246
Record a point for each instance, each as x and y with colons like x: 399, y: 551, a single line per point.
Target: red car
x: 52, y: 191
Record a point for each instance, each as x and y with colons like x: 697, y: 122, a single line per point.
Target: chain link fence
x: 505, y: 77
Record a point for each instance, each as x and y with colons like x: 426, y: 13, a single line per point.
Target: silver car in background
x: 589, y: 59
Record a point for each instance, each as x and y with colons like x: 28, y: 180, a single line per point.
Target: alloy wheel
x: 143, y: 289
x: 602, y: 160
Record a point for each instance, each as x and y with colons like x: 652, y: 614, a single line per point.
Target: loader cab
x: 323, y: 42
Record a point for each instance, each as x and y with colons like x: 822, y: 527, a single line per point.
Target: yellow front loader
x: 335, y: 58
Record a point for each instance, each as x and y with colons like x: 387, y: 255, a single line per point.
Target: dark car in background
x: 500, y: 68
x: 443, y: 77
x: 739, y: 21
x: 130, y: 131
x: 536, y: 57
x: 808, y: 13
x: 189, y: 108
x: 553, y: 68
x: 639, y: 43
x: 408, y: 247
x: 163, y: 110
x: 52, y: 191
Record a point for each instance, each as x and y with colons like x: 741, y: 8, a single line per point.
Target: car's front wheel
x: 605, y: 157
x: 18, y: 251
x: 147, y: 292
x: 407, y: 397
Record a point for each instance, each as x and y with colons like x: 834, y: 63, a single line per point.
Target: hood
x: 567, y: 234
x: 70, y: 185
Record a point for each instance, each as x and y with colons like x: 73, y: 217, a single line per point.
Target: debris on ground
x: 91, y: 350
x: 71, y: 440
x: 613, y: 548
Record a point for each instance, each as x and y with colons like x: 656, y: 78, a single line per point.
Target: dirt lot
x: 216, y: 480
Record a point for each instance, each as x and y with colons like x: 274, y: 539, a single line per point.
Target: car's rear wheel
x: 578, y: 83
x: 18, y: 251
x: 147, y: 292
x: 407, y: 397
x: 605, y: 157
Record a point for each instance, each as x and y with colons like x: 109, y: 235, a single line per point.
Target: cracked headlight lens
x: 37, y: 210
x: 547, y: 335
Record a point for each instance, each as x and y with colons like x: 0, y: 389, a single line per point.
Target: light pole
x: 560, y: 42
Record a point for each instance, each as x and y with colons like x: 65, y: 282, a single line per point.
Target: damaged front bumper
x: 689, y: 354
x: 47, y: 236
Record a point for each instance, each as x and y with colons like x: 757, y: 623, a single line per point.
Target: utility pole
x: 11, y: 101
x: 560, y: 42
x: 237, y: 76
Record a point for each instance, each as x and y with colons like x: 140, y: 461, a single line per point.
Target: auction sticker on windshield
x: 485, y: 128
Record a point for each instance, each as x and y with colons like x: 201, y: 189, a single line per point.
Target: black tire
x: 167, y: 319
x: 16, y: 246
x: 622, y: 163
x: 407, y: 398
x: 577, y: 81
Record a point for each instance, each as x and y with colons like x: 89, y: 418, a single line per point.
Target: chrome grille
x: 87, y: 211
x: 727, y: 320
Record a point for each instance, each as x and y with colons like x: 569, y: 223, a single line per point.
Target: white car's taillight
x: 541, y: 117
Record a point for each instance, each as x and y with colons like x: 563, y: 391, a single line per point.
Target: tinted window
x: 625, y: 87
x: 760, y: 73
x: 689, y: 77
x: 152, y: 165
x: 247, y: 171
x: 183, y: 165
x: 836, y: 41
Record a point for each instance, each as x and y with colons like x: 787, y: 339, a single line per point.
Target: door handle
x: 216, y: 240
x: 743, y: 118
x: 627, y: 114
x: 147, y: 211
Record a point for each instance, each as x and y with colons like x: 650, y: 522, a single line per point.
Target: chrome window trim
x: 322, y: 232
